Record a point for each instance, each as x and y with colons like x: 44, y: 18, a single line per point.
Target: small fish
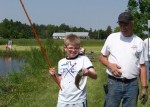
x: 78, y: 78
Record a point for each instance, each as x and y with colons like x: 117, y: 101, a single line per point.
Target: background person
x: 10, y: 44
x: 6, y: 47
x: 123, y: 55
x: 147, y: 57
x: 82, y: 51
x: 69, y: 68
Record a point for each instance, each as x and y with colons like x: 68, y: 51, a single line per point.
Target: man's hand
x: 115, y: 69
x: 144, y: 95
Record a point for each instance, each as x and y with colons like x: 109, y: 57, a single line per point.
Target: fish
x: 78, y: 78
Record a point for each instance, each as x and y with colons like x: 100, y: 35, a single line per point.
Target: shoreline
x: 19, y: 48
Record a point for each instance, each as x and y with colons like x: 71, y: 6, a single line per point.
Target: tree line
x: 17, y: 30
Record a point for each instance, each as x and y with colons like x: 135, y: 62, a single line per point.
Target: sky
x: 95, y: 14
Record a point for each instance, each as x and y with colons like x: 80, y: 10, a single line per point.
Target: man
x: 123, y: 55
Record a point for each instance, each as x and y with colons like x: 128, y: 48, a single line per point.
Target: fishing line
x: 38, y: 40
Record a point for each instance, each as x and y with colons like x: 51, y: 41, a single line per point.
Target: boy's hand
x: 90, y: 73
x: 85, y: 72
x: 52, y: 71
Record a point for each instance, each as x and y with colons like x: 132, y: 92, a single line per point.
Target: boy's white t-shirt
x: 68, y: 69
x: 127, y: 52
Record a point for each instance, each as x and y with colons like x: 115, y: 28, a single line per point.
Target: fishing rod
x: 38, y: 40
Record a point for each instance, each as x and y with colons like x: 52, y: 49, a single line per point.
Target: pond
x: 10, y: 64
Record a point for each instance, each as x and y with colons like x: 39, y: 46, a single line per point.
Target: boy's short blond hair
x: 72, y: 39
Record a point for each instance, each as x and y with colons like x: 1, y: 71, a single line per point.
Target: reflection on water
x: 9, y: 65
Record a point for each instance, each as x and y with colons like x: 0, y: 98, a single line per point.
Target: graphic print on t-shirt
x: 69, y: 70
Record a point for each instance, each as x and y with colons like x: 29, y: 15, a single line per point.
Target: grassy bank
x: 34, y: 87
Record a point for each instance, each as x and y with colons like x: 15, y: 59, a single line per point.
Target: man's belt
x: 124, y: 80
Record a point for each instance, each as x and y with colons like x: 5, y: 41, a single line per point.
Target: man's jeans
x: 118, y: 92
x: 147, y: 63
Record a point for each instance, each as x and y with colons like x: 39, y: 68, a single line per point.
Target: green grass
x: 38, y: 89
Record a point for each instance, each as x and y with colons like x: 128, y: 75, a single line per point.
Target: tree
x: 140, y: 10
x: 5, y: 28
x: 108, y: 30
x: 117, y: 29
x: 64, y: 27
x: 90, y: 33
x: 102, y: 34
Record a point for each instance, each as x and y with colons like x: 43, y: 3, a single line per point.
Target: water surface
x: 10, y: 64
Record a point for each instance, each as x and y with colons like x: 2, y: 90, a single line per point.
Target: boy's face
x: 72, y: 50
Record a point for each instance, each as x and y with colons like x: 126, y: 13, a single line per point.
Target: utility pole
x: 148, y: 52
x: 98, y: 34
x: 148, y: 38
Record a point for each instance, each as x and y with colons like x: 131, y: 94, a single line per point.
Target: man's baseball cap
x: 125, y: 17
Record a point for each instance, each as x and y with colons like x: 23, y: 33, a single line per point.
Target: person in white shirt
x: 82, y: 51
x: 10, y: 44
x: 123, y: 55
x: 73, y: 71
x: 147, y: 57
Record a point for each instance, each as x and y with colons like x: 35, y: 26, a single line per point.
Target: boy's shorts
x: 83, y: 104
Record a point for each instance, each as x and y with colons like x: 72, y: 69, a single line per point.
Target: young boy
x: 73, y: 93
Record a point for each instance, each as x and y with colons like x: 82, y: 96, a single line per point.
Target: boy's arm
x: 59, y: 77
